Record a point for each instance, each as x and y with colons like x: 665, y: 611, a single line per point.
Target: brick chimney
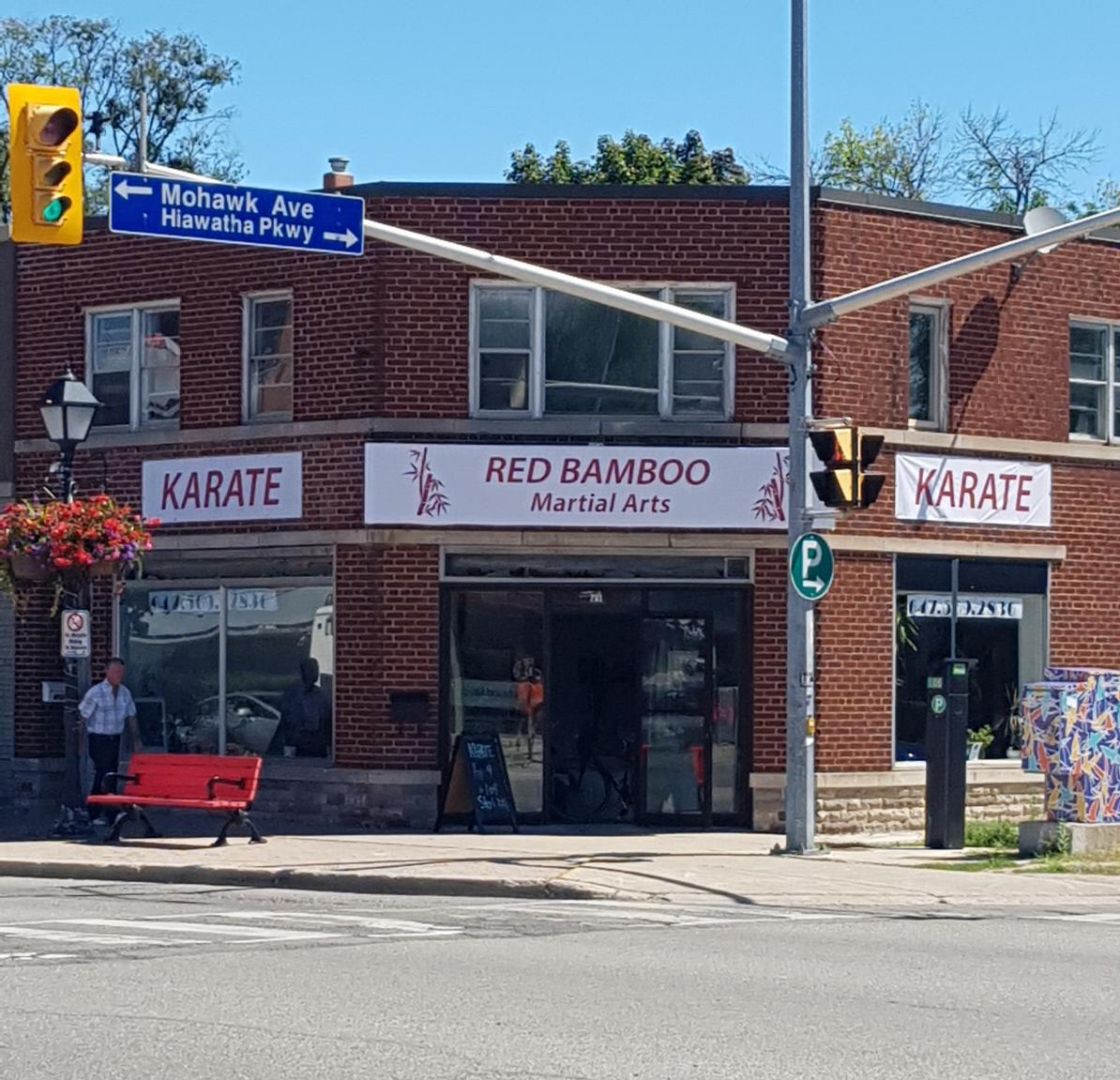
x: 338, y: 179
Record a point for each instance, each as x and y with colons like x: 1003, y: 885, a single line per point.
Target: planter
x: 106, y: 568
x: 28, y: 568
x: 974, y: 749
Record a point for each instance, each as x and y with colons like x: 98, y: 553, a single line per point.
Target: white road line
x: 243, y: 933
x: 392, y: 926
x: 38, y: 956
x: 1088, y: 917
x: 71, y: 937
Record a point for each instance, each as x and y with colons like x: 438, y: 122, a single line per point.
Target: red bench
x: 209, y: 782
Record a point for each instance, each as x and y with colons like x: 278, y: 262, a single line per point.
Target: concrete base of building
x: 300, y: 793
x: 1046, y: 837
x: 895, y: 801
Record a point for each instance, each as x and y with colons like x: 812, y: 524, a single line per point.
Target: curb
x: 317, y: 881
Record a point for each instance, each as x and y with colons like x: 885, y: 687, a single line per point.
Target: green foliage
x: 991, y: 834
x: 1059, y: 843
x: 903, y: 159
x: 178, y: 71
x: 984, y: 736
x: 634, y: 159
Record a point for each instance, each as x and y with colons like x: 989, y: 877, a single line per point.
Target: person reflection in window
x: 530, y: 700
x: 305, y: 714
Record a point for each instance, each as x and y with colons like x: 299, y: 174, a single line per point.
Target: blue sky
x: 439, y: 90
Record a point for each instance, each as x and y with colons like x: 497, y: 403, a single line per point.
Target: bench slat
x: 186, y: 778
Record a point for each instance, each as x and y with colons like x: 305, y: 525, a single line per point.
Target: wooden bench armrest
x: 112, y: 778
x: 210, y: 784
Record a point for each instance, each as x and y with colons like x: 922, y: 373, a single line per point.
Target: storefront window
x: 1001, y: 625
x: 277, y: 641
x: 497, y: 683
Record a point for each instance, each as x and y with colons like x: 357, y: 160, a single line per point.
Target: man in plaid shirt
x: 105, y: 710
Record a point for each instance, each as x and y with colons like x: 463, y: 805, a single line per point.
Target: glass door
x: 676, y: 773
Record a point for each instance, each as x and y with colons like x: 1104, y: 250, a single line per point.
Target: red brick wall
x: 386, y: 336
x: 387, y: 620
x: 768, y: 653
x: 854, y: 653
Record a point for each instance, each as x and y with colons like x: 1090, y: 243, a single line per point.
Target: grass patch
x: 991, y: 834
x: 974, y: 863
x: 1064, y: 863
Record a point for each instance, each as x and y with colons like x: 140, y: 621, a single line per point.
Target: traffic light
x: 46, y: 164
x: 845, y: 453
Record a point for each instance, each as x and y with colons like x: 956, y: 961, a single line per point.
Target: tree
x: 635, y: 159
x: 904, y: 159
x: 1014, y: 171
x: 178, y: 71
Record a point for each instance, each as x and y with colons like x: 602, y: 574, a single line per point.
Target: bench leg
x: 118, y: 824
x: 149, y: 828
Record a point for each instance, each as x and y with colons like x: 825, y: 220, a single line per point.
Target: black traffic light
x: 846, y: 454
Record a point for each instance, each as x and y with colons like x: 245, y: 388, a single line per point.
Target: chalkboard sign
x: 478, y: 784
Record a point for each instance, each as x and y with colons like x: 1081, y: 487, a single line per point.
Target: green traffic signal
x: 54, y: 210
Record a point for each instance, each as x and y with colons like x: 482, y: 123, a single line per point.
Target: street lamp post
x: 68, y: 409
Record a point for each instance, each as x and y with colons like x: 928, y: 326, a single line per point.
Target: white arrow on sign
x: 124, y: 189
x: 347, y: 238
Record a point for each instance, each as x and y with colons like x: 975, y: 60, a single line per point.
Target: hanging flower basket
x: 94, y: 537
x: 28, y: 568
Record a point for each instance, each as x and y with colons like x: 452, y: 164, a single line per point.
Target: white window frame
x: 136, y: 311
x: 535, y: 397
x: 939, y: 363
x: 248, y: 300
x: 1110, y: 435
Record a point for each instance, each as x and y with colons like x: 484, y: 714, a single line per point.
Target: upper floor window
x: 928, y: 366
x: 132, y: 357
x: 268, y: 357
x: 1092, y: 381
x: 539, y: 353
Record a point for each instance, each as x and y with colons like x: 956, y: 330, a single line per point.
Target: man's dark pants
x: 105, y: 753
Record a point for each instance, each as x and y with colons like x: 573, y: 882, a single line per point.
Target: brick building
x: 482, y: 507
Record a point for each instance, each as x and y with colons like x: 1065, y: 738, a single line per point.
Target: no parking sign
x: 75, y: 635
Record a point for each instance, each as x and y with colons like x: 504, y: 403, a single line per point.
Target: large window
x: 927, y: 368
x: 1093, y: 374
x: 133, y: 365
x: 268, y: 357
x: 1001, y: 625
x: 268, y: 646
x: 536, y: 353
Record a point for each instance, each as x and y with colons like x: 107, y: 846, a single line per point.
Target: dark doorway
x: 593, y: 693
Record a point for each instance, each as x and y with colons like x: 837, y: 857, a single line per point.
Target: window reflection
x: 279, y: 644
x: 496, y: 680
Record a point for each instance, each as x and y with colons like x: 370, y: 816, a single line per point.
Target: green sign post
x: 811, y: 566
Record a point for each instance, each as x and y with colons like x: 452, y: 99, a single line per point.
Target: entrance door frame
x: 704, y: 819
x: 744, y: 591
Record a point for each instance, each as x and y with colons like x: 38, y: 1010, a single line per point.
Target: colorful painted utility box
x: 1071, y: 726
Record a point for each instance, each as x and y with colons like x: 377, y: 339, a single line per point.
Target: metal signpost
x: 145, y: 205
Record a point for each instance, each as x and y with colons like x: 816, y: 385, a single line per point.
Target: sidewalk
x: 630, y: 864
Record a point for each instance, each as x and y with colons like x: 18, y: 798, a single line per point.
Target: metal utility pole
x: 800, y: 689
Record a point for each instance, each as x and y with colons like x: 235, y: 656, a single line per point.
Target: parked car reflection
x: 251, y: 725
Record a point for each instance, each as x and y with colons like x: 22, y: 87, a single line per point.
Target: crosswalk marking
x: 389, y: 927
x: 246, y: 933
x: 38, y: 933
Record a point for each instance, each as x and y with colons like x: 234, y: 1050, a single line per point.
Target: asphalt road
x: 133, y: 982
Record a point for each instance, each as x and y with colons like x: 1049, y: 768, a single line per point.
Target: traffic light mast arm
x: 828, y: 311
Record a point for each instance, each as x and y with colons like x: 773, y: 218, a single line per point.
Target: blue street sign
x: 142, y: 205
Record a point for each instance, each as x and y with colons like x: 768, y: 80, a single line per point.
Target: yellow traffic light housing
x: 46, y: 164
x: 846, y: 453
x: 835, y: 484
